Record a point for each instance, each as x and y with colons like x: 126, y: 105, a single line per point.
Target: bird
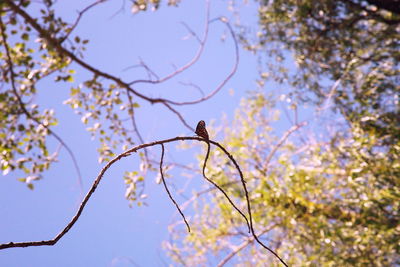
x: 201, y: 130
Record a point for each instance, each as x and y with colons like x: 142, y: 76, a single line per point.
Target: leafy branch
x: 22, y: 105
x: 56, y: 44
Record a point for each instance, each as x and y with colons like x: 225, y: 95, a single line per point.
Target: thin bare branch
x: 80, y: 14
x: 135, y: 128
x: 179, y: 116
x: 166, y: 188
x: 192, y: 32
x: 227, y: 78
x: 190, y: 84
x: 220, y: 189
x: 190, y: 63
x: 248, y: 203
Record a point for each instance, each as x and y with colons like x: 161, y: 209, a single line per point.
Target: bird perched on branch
x: 201, y: 130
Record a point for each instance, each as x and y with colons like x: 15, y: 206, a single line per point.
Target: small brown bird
x: 201, y: 130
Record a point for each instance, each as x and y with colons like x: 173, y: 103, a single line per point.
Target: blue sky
x: 109, y: 232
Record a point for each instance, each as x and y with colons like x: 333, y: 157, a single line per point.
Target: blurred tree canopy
x: 322, y: 203
x: 353, y: 42
x: 330, y: 201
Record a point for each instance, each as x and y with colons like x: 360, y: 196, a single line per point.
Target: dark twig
x: 192, y: 32
x: 135, y: 128
x: 179, y: 115
x: 74, y: 219
x: 166, y: 188
x: 220, y: 189
x: 198, y: 88
x: 248, y: 202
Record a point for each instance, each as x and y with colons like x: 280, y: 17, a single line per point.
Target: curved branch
x: 74, y: 219
x: 166, y: 188
x: 248, y: 203
x: 127, y: 153
x: 220, y: 189
x: 80, y: 14
x: 228, y: 77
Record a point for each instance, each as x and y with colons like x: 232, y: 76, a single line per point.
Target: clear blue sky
x: 109, y: 232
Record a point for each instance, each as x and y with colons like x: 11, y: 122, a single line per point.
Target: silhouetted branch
x: 220, y: 189
x: 127, y: 153
x: 248, y: 202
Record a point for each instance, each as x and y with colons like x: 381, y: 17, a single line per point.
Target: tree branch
x: 127, y: 153
x: 192, y: 61
x: 166, y: 188
x: 62, y: 51
x: 80, y: 14
x: 220, y: 189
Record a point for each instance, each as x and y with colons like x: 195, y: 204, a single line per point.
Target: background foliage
x: 324, y: 192
x: 331, y: 200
